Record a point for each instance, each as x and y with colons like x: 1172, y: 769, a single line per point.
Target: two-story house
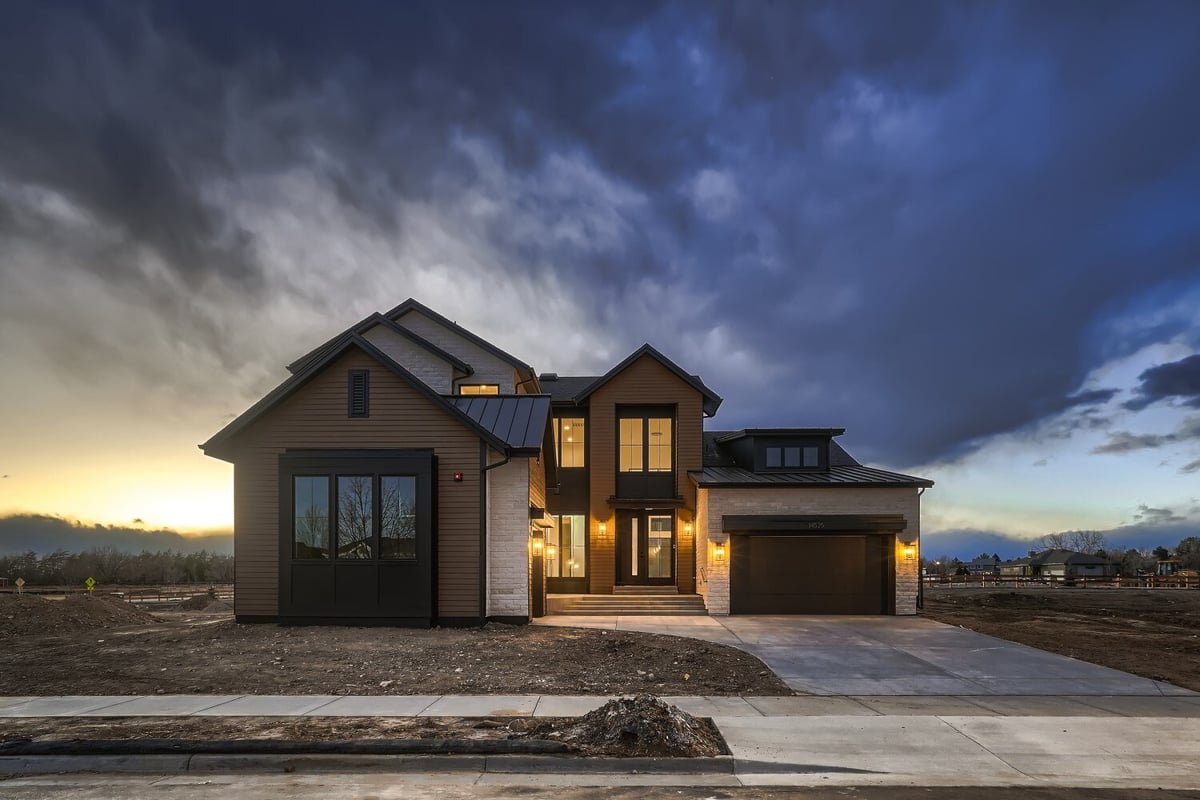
x: 410, y: 472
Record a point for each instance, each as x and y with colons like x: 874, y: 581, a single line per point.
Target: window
x: 398, y: 517
x: 311, y: 509
x: 645, y: 444
x: 478, y: 388
x: 355, y: 516
x: 566, y: 548
x: 631, y: 445
x: 361, y: 530
x: 569, y: 441
x: 358, y: 393
x: 792, y: 457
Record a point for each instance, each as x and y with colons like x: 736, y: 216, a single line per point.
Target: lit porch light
x: 910, y: 552
x: 719, y: 551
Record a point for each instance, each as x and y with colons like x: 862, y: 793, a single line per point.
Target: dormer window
x: 791, y: 457
x: 478, y: 388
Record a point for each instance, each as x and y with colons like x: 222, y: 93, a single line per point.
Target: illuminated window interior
x: 478, y: 388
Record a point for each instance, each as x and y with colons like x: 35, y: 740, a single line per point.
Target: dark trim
x: 509, y: 620
x: 361, y: 622
x: 483, y: 522
x: 814, y: 485
x: 254, y: 619
x: 712, y: 400
x: 790, y: 524
x: 646, y: 502
x: 461, y: 622
x: 215, y: 445
x: 779, y: 433
x: 379, y: 319
x: 412, y: 305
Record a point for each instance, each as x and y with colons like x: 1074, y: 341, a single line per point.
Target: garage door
x: 795, y: 574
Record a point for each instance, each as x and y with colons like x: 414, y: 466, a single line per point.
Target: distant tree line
x: 1130, y: 562
x: 109, y: 566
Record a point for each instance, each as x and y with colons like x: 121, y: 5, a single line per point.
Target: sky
x: 969, y: 233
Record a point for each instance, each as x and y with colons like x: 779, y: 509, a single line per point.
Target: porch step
x: 627, y: 604
x: 645, y: 590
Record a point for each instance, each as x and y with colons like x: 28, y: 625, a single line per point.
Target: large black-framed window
x: 646, y: 444
x: 570, y: 442
x: 791, y: 455
x: 356, y: 534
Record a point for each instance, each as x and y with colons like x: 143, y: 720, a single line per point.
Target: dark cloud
x: 1125, y: 442
x: 1191, y: 467
x: 1147, y: 515
x: 916, y: 220
x: 1177, y: 379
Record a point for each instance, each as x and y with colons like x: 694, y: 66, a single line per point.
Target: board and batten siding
x: 314, y: 417
x: 644, y: 382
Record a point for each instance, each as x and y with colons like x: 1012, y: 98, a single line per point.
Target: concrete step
x: 645, y: 590
x: 628, y: 604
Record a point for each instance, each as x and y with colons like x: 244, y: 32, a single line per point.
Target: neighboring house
x: 400, y: 476
x: 984, y: 566
x: 1057, y: 564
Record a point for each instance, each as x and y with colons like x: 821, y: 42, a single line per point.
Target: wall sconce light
x: 603, y: 528
x: 719, y: 551
x: 537, y: 545
x: 910, y: 552
x: 687, y: 528
x: 551, y: 552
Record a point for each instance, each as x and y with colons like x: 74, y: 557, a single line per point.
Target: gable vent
x: 358, y: 393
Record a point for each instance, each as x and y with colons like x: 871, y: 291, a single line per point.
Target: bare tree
x: 355, y: 511
x: 1090, y: 542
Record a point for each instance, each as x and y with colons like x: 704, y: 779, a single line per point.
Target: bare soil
x: 628, y: 726
x: 1154, y: 633
x: 52, y: 647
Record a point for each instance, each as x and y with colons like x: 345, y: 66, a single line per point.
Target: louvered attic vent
x: 358, y: 393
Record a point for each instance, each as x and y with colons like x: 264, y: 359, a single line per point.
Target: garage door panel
x: 809, y: 575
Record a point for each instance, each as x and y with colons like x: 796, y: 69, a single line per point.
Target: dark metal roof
x: 564, y: 388
x: 412, y: 305
x: 729, y: 436
x: 716, y: 477
x: 519, y: 420
x: 712, y: 400
x: 717, y: 455
x: 370, y: 322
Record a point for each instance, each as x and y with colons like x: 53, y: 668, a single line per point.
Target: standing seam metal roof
x: 518, y: 420
x: 835, y: 476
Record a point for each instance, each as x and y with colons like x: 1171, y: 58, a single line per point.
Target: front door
x: 645, y: 548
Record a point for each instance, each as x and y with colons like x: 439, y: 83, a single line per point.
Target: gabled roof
x: 730, y: 436
x: 564, y: 388
x: 715, y: 455
x: 712, y: 400
x: 379, y: 319
x: 517, y: 419
x: 412, y: 305
x: 1066, y: 557
x: 347, y: 341
x: 856, y: 476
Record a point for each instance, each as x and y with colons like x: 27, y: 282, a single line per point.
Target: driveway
x: 890, y: 656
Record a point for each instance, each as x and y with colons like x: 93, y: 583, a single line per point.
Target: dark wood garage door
x: 795, y: 574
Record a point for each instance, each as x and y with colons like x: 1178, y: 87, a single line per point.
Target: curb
x: 503, y: 764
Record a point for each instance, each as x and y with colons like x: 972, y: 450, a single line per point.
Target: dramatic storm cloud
x: 933, y: 224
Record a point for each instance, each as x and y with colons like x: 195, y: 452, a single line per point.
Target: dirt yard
x: 100, y: 646
x: 1152, y: 633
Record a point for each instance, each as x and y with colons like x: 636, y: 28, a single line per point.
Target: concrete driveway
x: 890, y: 656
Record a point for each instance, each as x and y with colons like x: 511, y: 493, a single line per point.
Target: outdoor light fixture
x: 603, y: 528
x: 687, y: 528
x: 910, y: 552
x: 551, y: 551
x: 537, y: 544
x: 719, y: 551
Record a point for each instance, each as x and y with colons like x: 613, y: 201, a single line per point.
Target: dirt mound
x: 637, y: 726
x: 203, y: 602
x: 217, y: 607
x: 28, y: 614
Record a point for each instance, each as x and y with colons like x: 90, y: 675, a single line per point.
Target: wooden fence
x: 136, y: 595
x: 1052, y: 581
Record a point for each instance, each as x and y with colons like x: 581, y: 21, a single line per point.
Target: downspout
x: 920, y: 555
x: 484, y: 468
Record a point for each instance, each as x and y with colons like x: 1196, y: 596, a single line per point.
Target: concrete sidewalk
x: 730, y: 707
x: 896, y: 656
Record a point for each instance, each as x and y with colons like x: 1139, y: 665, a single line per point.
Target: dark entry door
x: 645, y: 548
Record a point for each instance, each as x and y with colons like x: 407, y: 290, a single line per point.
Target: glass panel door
x: 633, y: 551
x: 659, y: 545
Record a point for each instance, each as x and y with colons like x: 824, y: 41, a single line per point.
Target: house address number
x: 816, y: 526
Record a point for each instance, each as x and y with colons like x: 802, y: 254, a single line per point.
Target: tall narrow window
x: 566, y: 548
x: 310, y: 521
x: 358, y: 393
x: 658, y: 446
x: 398, y: 517
x: 569, y: 441
x: 355, y: 516
x: 631, y: 444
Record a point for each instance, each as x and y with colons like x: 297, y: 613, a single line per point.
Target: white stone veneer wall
x: 508, y: 540
x: 712, y: 580
x: 427, y: 367
x: 488, y: 368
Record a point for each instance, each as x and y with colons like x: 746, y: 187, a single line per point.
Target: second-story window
x: 569, y: 441
x: 478, y: 388
x: 786, y: 457
x: 645, y: 444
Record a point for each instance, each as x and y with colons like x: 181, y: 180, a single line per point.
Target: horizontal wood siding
x: 645, y: 382
x: 315, y: 418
